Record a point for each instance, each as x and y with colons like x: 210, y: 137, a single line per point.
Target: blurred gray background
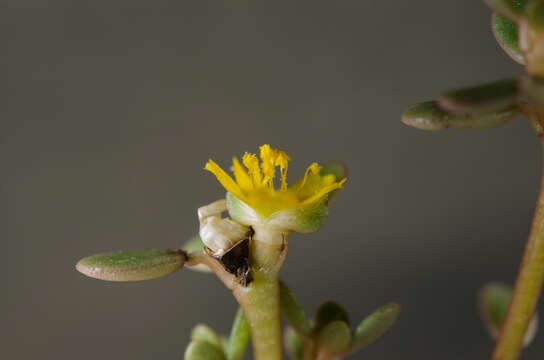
x: 111, y: 108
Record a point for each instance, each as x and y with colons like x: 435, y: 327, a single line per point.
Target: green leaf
x: 293, y: 312
x: 429, y: 116
x: 535, y: 14
x: 334, y: 338
x: 195, y: 244
x: 512, y: 9
x: 203, y: 350
x: 533, y: 88
x: 132, y: 265
x: 202, y: 332
x: 374, y: 326
x: 239, y: 337
x: 293, y: 344
x: 493, y: 302
x: 328, y: 312
x: 507, y: 35
x: 485, y: 98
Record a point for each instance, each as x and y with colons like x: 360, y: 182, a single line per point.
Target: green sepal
x: 493, y: 301
x: 293, y: 344
x: 486, y: 98
x: 534, y: 12
x: 334, y: 338
x: 203, y: 350
x: 374, y: 326
x: 533, y: 88
x: 239, y: 337
x: 195, y: 244
x: 512, y: 9
x: 132, y: 265
x: 507, y: 35
x: 430, y: 116
x: 328, y: 312
x: 202, y: 332
x: 292, y: 311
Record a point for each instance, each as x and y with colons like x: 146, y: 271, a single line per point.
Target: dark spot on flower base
x: 236, y: 262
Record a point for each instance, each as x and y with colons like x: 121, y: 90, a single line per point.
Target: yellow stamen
x: 241, y: 176
x: 228, y: 183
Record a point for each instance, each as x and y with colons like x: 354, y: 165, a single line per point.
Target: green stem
x: 260, y: 300
x: 526, y: 291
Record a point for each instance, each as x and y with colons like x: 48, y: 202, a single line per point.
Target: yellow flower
x: 254, y: 187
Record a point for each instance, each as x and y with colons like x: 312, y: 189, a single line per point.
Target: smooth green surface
x: 328, y: 312
x: 293, y: 344
x: 494, y: 96
x: 202, y: 332
x: 429, y: 116
x: 535, y: 14
x: 507, y: 35
x: 203, y: 350
x: 292, y: 311
x: 334, y: 338
x: 512, y: 9
x: 533, y: 88
x: 239, y: 337
x: 132, y: 265
x: 374, y: 326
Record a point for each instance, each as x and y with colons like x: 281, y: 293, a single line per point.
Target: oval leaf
x: 429, y: 116
x: 293, y: 312
x: 203, y: 350
x: 512, y: 9
x: 374, y: 326
x: 334, y: 338
x: 485, y: 98
x: 202, y: 332
x: 239, y: 337
x: 132, y: 265
x: 507, y: 35
x: 293, y: 344
x: 493, y: 302
x: 328, y: 312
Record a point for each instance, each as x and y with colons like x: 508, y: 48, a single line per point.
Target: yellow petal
x: 324, y: 191
x: 241, y: 175
x: 225, y: 179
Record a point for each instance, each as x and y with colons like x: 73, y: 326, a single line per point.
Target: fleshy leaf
x: 493, y: 302
x: 293, y: 344
x: 203, y: 332
x: 429, y: 116
x: 328, y: 312
x: 293, y: 312
x: 203, y: 350
x: 512, y: 9
x: 374, y: 326
x: 533, y: 88
x: 485, y: 98
x: 507, y: 35
x: 195, y: 244
x: 132, y: 265
x: 239, y: 337
x: 334, y: 338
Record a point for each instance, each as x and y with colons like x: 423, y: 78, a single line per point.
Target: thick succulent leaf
x: 203, y: 350
x: 533, y: 88
x: 512, y: 9
x: 292, y: 311
x: 328, y: 312
x: 334, y: 338
x: 493, y: 302
x: 374, y: 326
x: 535, y: 14
x: 486, y: 98
x: 507, y: 35
x: 203, y: 332
x: 293, y: 344
x: 429, y: 116
x: 132, y: 265
x: 195, y: 244
x: 239, y: 337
